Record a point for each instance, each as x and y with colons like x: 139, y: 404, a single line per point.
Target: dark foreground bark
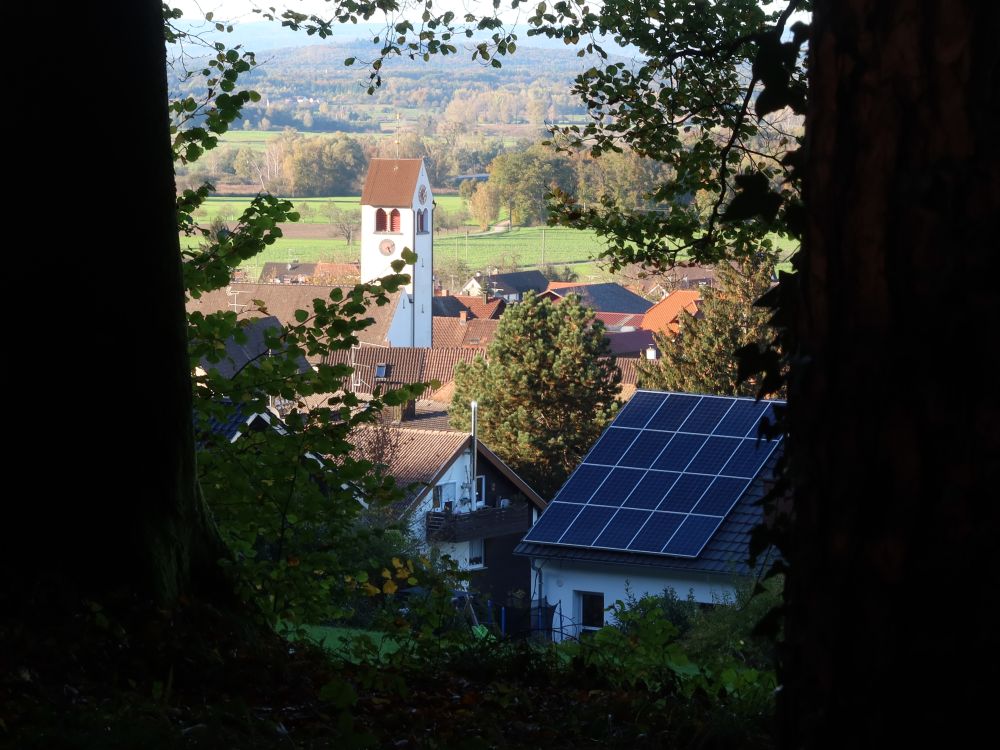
x: 893, y: 413
x: 103, y: 436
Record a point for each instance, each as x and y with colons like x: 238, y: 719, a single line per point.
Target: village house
x: 666, y: 499
x: 463, y: 501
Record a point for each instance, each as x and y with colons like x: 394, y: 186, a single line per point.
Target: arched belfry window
x: 394, y: 220
x: 422, y: 221
x: 380, y: 220
x: 427, y: 220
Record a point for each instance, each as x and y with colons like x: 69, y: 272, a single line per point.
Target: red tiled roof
x: 452, y: 332
x: 391, y: 182
x: 410, y: 455
x: 403, y: 366
x: 478, y: 308
x: 663, y: 316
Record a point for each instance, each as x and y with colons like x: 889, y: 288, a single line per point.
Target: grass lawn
x: 337, y: 641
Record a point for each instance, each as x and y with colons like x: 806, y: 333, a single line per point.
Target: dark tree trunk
x: 893, y: 415
x: 115, y: 502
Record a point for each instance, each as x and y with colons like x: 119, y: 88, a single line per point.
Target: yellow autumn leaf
x: 396, y: 563
x: 389, y: 587
x: 386, y: 573
x: 370, y: 590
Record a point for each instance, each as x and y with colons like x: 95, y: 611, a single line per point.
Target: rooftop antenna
x: 234, y: 293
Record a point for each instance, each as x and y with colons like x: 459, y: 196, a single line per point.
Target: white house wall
x: 459, y: 473
x: 562, y: 579
x: 401, y: 328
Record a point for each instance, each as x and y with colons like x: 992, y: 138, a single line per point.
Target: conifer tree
x: 545, y: 392
x: 701, y: 357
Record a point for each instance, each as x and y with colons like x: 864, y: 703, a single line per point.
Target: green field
x: 232, y: 206
x: 527, y: 247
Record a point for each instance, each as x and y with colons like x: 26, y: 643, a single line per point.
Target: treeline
x: 299, y: 165
x: 310, y: 89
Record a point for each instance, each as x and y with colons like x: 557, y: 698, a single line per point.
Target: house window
x: 476, y: 559
x: 480, y: 491
x: 394, y: 220
x: 381, y: 370
x: 444, y: 496
x: 591, y: 609
x: 380, y: 222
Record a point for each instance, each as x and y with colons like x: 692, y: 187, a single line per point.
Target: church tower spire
x: 397, y: 212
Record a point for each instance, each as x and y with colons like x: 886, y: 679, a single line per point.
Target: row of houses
x: 665, y: 499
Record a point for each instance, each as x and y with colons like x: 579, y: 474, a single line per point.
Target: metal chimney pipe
x: 475, y: 451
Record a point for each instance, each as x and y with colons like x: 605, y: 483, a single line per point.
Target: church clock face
x: 387, y: 247
x: 422, y: 194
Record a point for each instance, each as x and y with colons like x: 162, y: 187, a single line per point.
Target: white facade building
x: 397, y: 213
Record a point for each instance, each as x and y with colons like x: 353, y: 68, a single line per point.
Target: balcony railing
x: 478, y: 524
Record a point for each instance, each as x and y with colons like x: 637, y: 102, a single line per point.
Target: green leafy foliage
x: 286, y: 492
x: 546, y: 392
x: 702, y: 357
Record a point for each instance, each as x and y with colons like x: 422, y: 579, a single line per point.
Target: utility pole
x: 543, y: 246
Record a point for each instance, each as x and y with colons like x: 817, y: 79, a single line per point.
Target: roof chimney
x: 463, y: 317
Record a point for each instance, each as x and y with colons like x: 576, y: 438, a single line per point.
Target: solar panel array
x: 662, y: 477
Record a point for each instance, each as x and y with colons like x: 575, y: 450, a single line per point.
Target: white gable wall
x: 562, y: 580
x: 459, y: 473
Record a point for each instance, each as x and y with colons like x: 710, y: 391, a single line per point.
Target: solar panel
x: 612, y: 445
x: 588, y: 525
x: 617, y: 487
x: 663, y: 477
x: 553, y: 522
x: 582, y: 483
x: 679, y: 452
x: 622, y: 528
x: 647, y: 447
x: 691, y: 537
x: 639, y: 409
x: 651, y: 489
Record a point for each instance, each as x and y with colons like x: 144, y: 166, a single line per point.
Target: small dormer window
x: 380, y: 221
x: 381, y: 370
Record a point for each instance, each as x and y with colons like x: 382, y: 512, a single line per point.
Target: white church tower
x: 397, y: 211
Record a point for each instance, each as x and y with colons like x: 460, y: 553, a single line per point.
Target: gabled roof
x: 672, y: 483
x: 664, y: 315
x: 421, y: 456
x: 517, y: 282
x: 391, y: 183
x: 453, y: 305
x: 452, y: 332
x: 726, y: 553
x: 607, y: 297
x: 282, y: 300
